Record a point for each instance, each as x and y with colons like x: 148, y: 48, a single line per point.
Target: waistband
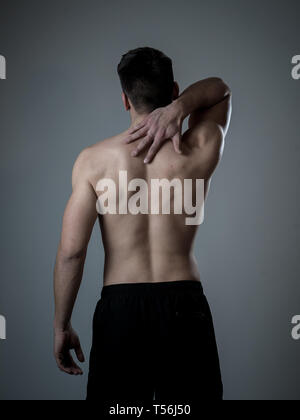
x: 143, y: 289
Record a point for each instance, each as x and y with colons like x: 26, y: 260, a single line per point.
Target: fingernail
x: 134, y: 154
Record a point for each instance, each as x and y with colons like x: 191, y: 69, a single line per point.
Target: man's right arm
x: 208, y: 100
x: 209, y: 119
x: 207, y: 103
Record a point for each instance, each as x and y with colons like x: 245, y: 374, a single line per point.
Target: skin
x: 138, y: 248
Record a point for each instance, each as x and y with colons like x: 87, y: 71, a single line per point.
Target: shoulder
x: 206, y: 134
x: 93, y: 159
x: 91, y: 154
x: 82, y: 163
x: 208, y: 137
x: 81, y: 167
x: 207, y: 141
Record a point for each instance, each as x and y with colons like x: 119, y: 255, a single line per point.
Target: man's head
x: 147, y: 80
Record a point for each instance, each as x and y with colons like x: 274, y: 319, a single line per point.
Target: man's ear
x: 175, y: 91
x: 125, y: 101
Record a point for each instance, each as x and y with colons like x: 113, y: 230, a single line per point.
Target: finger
x: 152, y: 152
x: 69, y: 371
x: 138, y: 134
x: 146, y: 142
x: 79, y: 352
x: 177, y: 143
x: 63, y: 365
x: 137, y: 127
x: 67, y: 365
x: 160, y: 137
x: 75, y: 369
x: 66, y: 370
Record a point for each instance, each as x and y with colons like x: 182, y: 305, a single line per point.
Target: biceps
x: 78, y: 222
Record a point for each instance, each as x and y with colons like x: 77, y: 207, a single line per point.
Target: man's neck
x: 137, y: 118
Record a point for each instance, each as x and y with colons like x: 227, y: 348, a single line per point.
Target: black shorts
x: 154, y: 343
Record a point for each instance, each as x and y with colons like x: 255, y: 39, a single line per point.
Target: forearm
x: 67, y: 280
x: 201, y: 95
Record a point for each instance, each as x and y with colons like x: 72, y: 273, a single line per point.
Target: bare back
x: 148, y: 234
x: 150, y: 247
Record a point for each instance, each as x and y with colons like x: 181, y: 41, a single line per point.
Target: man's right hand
x: 64, y: 342
x: 161, y: 125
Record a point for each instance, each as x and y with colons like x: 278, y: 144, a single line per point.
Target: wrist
x: 178, y: 109
x: 61, y: 327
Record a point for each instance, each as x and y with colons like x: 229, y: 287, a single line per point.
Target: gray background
x: 62, y: 94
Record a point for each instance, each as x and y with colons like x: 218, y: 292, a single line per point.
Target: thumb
x: 177, y: 143
x: 79, y: 352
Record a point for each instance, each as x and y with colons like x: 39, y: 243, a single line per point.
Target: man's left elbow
x: 69, y: 255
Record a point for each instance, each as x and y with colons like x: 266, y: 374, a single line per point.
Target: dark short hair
x: 147, y: 78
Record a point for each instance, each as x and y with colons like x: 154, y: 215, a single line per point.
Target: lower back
x: 139, y: 251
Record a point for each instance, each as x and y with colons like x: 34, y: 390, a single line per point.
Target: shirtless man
x: 153, y: 330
